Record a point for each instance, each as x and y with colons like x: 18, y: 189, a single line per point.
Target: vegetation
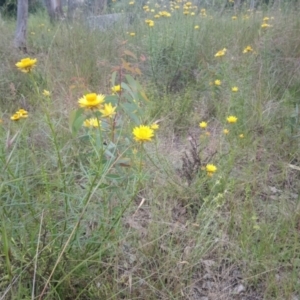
x: 156, y: 160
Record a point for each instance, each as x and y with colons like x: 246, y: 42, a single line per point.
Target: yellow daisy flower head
x: 154, y: 126
x: 234, y: 18
x: 266, y: 19
x: 151, y: 24
x: 20, y: 114
x: 46, y: 93
x: 241, y: 136
x: 234, y: 89
x: 232, y: 119
x: 210, y: 169
x: 26, y: 64
x: 196, y: 27
x: 117, y: 88
x: 132, y: 33
x: 15, y: 117
x: 265, y: 25
x: 92, y: 123
x: 148, y: 21
x: 218, y: 82
x: 143, y: 133
x: 91, y: 101
x: 225, y: 131
x: 221, y: 52
x: 248, y: 49
x: 131, y: 3
x: 156, y: 16
x: 108, y: 111
x: 203, y: 125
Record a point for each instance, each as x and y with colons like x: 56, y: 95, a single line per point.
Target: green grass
x: 92, y: 214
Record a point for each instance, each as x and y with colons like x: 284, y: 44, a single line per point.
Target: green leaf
x: 113, y: 99
x: 113, y: 78
x: 136, y: 88
x: 131, y: 110
x: 128, y: 89
x: 76, y: 120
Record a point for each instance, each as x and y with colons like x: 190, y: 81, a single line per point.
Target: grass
x: 90, y: 213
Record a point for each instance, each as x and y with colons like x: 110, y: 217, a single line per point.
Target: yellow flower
x: 232, y: 119
x: 26, y: 64
x: 203, y: 125
x: 218, y: 82
x: 265, y: 25
x: 221, y: 52
x: 192, y: 13
x: 234, y: 89
x: 225, y: 131
x: 210, y: 169
x: 131, y: 3
x: 46, y: 93
x: 92, y: 122
x: 149, y: 22
x: 143, y: 133
x: 196, y: 27
x: 108, y: 110
x: 132, y: 33
x: 241, y: 136
x: 203, y: 12
x: 20, y: 114
x: 156, y: 16
x: 266, y: 19
x: 15, y: 117
x: 154, y: 126
x: 117, y: 88
x: 234, y: 17
x: 164, y: 14
x: 248, y: 49
x: 91, y: 101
